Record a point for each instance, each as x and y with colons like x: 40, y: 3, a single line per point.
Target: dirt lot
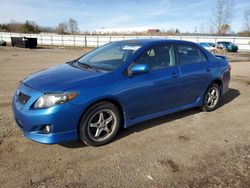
x: 186, y: 149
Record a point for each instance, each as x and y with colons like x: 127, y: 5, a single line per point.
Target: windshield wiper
x: 86, y: 65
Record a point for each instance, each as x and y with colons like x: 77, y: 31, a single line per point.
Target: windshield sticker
x: 134, y: 48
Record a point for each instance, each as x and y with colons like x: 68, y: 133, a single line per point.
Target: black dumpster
x: 3, y: 43
x: 24, y: 42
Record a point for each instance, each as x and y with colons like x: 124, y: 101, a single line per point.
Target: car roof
x: 144, y: 42
x: 204, y: 42
x: 223, y: 42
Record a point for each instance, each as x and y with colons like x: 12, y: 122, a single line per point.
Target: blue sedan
x: 118, y: 85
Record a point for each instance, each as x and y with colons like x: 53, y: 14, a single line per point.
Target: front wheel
x: 211, y: 98
x: 100, y: 124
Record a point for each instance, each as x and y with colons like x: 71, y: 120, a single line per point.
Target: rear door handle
x: 208, y: 69
x: 174, y: 75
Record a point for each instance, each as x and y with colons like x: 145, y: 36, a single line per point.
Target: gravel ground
x: 186, y: 149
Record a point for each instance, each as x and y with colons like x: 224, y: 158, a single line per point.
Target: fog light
x: 47, y: 129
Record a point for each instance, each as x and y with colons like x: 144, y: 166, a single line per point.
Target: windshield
x: 110, y: 56
x: 227, y: 43
x: 204, y: 44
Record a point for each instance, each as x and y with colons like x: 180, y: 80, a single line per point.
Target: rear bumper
x: 63, y: 119
x: 226, y: 77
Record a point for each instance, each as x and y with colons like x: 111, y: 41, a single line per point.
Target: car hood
x: 59, y: 78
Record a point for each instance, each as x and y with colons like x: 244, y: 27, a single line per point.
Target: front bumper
x: 63, y: 119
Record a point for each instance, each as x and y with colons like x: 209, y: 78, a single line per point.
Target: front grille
x: 22, y: 98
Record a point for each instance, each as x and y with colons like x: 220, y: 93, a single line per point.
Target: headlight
x: 48, y: 100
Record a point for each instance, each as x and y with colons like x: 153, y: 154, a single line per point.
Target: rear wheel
x: 211, y: 98
x: 100, y: 124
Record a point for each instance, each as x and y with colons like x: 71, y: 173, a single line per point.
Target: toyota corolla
x: 118, y: 85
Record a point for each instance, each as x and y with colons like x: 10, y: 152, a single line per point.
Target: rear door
x: 195, y: 73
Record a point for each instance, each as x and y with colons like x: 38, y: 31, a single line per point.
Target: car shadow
x: 73, y: 144
x: 227, y: 98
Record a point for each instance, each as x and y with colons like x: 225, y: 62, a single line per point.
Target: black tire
x: 93, y: 120
x: 210, y: 106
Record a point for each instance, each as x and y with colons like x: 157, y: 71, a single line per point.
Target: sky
x: 186, y: 15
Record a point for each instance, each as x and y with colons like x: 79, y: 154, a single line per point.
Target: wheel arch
x: 219, y: 82
x: 111, y: 100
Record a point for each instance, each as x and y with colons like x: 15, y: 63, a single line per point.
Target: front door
x: 156, y: 90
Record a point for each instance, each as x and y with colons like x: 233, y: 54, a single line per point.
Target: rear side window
x: 188, y: 54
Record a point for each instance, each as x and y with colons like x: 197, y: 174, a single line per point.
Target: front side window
x: 188, y: 54
x: 158, y: 57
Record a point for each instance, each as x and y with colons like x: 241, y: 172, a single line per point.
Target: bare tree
x: 14, y: 26
x: 247, y: 20
x: 222, y: 15
x: 72, y: 26
x: 30, y: 27
x: 246, y: 24
x: 62, y: 28
x: 201, y: 28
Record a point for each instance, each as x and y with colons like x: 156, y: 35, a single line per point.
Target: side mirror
x: 139, y: 69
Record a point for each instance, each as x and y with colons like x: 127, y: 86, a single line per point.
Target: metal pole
x: 1, y: 33
x: 85, y: 39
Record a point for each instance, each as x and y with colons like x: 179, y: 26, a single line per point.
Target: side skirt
x: 130, y: 122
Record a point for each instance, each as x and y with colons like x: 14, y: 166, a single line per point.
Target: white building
x: 124, y: 30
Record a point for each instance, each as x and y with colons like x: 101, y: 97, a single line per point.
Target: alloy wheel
x: 101, y: 124
x: 212, y: 97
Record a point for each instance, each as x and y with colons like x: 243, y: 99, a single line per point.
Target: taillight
x: 229, y: 67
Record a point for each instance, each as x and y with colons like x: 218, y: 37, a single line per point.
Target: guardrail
x: 98, y: 40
